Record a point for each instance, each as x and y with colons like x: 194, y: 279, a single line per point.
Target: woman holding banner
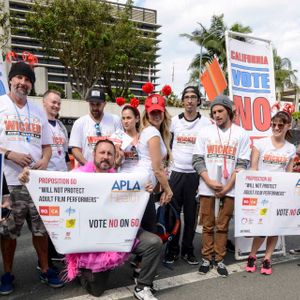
x: 154, y: 151
x: 273, y: 154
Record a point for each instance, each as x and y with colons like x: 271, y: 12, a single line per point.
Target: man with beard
x: 90, y: 263
x: 90, y: 128
x: 25, y: 139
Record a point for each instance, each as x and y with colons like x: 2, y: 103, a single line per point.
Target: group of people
x: 202, y: 155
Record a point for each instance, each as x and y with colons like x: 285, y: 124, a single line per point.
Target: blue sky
x: 276, y: 20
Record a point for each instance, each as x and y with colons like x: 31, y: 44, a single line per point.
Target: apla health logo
x: 297, y: 188
x: 125, y: 185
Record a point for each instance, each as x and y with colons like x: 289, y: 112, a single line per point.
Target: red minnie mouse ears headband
x: 134, y: 102
x: 155, y: 101
x: 148, y: 88
x: 287, y: 108
x: 27, y: 57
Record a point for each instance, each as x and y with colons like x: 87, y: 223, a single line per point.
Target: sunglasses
x: 279, y: 125
x: 98, y: 129
x: 193, y: 97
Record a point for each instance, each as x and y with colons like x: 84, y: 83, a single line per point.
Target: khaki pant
x: 214, y: 241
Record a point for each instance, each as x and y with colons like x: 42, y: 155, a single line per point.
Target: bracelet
x: 6, y: 154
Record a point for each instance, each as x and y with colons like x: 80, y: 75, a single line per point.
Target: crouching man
x: 149, y: 246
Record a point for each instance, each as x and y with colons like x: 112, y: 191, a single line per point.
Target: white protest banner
x: 89, y: 212
x: 251, y: 82
x: 3, y: 77
x: 267, y: 203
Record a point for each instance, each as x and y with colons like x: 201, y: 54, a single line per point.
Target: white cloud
x: 277, y: 20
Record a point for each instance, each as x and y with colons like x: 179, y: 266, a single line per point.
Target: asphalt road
x: 283, y: 284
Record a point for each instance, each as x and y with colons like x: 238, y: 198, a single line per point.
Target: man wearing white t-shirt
x: 25, y: 138
x: 59, y: 145
x: 97, y: 125
x: 59, y: 134
x: 222, y: 145
x: 184, y: 180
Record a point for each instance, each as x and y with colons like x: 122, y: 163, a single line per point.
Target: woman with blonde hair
x: 155, y: 153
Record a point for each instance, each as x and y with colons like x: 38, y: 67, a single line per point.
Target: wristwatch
x: 6, y: 154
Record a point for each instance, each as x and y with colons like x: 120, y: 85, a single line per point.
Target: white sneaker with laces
x: 143, y: 294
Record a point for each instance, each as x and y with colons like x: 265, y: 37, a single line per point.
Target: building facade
x: 54, y: 72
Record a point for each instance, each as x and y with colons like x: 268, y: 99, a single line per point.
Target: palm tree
x: 285, y: 76
x: 212, y: 40
x: 4, y: 27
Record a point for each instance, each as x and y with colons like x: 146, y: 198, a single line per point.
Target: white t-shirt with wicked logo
x: 59, y: 148
x: 184, y: 139
x: 131, y: 159
x: 22, y: 130
x: 271, y: 158
x: 215, y: 144
x: 84, y: 132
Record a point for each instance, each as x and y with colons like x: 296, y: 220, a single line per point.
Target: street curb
x: 178, y: 280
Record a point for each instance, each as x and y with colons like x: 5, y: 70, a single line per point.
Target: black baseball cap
x: 96, y: 95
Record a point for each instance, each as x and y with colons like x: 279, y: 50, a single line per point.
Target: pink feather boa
x: 94, y: 261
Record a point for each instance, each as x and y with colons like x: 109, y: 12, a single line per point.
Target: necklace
x: 225, y: 171
x: 27, y: 134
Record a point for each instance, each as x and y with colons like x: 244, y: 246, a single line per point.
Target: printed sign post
x: 251, y: 82
x: 90, y: 212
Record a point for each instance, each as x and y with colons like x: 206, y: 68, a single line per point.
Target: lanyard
x: 54, y: 123
x: 225, y: 171
x: 28, y: 136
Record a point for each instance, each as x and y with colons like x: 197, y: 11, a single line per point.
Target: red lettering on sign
x: 257, y: 114
x: 243, y: 112
x: 261, y: 114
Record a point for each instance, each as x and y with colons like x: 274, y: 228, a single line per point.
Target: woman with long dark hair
x: 130, y: 118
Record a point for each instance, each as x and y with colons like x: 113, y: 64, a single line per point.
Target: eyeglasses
x: 98, y: 129
x: 193, y: 97
x: 279, y: 125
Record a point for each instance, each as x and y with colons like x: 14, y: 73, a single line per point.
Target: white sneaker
x: 295, y: 251
x: 143, y: 294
